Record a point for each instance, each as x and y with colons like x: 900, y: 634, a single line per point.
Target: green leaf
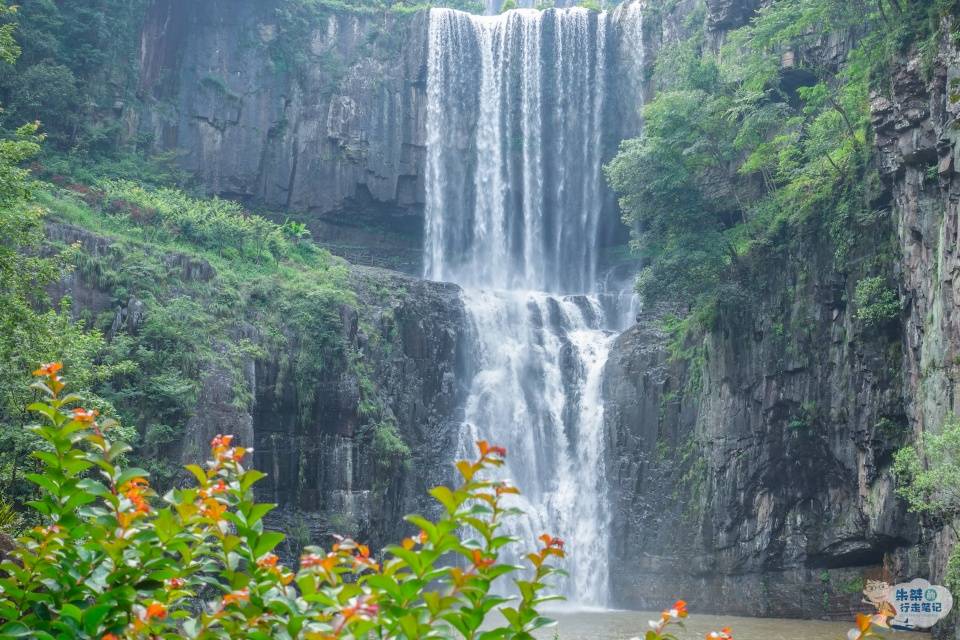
x: 197, y: 472
x: 93, y: 616
x: 43, y: 482
x: 250, y: 477
x: 257, y: 512
x: 130, y: 474
x: 268, y: 541
x: 445, y: 497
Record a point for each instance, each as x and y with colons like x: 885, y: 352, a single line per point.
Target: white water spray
x: 516, y: 107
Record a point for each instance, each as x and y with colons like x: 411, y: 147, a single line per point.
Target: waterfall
x: 514, y: 163
x: 515, y: 117
x: 536, y: 391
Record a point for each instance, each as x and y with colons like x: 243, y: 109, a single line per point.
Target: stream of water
x: 514, y: 180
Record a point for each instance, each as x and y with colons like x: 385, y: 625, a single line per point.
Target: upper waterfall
x: 514, y: 151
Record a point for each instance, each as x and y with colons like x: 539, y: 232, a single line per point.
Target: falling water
x: 536, y: 391
x: 516, y: 108
x: 514, y: 163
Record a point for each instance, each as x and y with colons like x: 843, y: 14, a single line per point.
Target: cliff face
x: 917, y: 137
x: 296, y: 109
x: 757, y: 475
x: 325, y: 423
x: 756, y: 472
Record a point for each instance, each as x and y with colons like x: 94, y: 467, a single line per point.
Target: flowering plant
x: 111, y: 560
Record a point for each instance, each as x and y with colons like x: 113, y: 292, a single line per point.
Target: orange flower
x: 327, y: 563
x: 723, y: 634
x: 82, y: 415
x: 213, y: 509
x: 487, y: 449
x: 176, y: 583
x: 156, y: 610
x: 267, y: 561
x: 109, y: 636
x: 479, y: 561
x: 49, y: 369
x: 552, y: 543
x: 359, y: 607
x: 236, y: 454
x: 220, y: 487
x: 134, y: 492
x: 310, y: 560
x: 221, y: 443
x: 679, y: 609
x: 235, y: 597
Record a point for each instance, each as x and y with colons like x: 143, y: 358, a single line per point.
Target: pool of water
x: 623, y: 625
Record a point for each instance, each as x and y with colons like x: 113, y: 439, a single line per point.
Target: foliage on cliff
x: 746, y: 147
x: 28, y: 323
x: 929, y: 480
x: 61, y: 78
x: 176, y: 288
x: 110, y: 560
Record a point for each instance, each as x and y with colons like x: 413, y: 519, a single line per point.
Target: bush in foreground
x: 111, y: 561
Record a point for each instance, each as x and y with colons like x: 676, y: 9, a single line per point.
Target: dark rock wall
x: 326, y: 477
x: 313, y: 429
x: 917, y: 135
x: 758, y: 476
x: 322, y: 114
x: 325, y: 117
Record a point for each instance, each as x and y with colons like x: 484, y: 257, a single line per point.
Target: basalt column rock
x: 289, y: 107
x: 917, y: 135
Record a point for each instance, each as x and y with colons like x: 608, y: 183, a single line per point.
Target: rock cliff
x: 337, y: 437
x: 292, y: 107
x: 302, y: 108
x: 755, y: 470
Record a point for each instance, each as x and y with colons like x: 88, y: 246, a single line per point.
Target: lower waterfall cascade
x: 514, y: 202
x: 536, y: 391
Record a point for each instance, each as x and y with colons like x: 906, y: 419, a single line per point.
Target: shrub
x: 876, y: 302
x: 929, y: 480
x: 110, y: 560
x: 215, y: 224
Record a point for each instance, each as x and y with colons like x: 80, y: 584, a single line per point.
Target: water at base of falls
x: 514, y: 197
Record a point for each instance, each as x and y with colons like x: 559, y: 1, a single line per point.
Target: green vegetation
x: 876, y: 302
x: 184, y: 289
x: 929, y: 480
x: 200, y: 269
x: 748, y: 149
x: 110, y: 560
x: 60, y: 78
x: 28, y: 323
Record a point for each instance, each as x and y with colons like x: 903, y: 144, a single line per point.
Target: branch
x: 830, y: 160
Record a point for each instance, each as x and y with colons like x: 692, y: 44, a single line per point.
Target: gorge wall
x: 351, y: 406
x: 756, y: 471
